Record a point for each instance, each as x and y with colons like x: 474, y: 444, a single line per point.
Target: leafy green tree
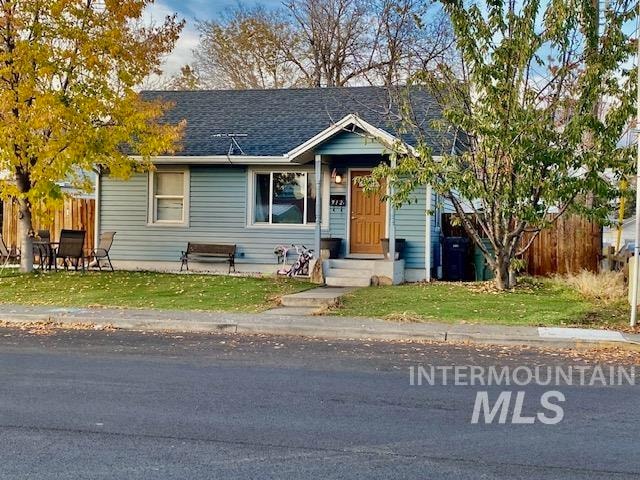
x: 68, y: 69
x: 533, y: 115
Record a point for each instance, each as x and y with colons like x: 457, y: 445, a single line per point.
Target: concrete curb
x: 338, y: 333
x: 336, y: 328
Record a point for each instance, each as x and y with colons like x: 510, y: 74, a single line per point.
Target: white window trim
x: 251, y: 179
x: 151, y: 204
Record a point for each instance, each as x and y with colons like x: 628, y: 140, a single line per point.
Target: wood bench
x: 202, y: 252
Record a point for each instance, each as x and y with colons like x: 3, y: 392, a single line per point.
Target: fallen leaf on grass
x: 404, y: 317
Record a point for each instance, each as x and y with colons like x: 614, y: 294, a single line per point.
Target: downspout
x: 428, y: 248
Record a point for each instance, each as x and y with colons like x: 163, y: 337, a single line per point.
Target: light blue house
x: 261, y: 168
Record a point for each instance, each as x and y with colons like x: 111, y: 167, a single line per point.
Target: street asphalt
x: 129, y: 405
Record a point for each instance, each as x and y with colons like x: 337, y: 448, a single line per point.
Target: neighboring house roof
x: 277, y: 122
x: 627, y: 223
x: 66, y: 186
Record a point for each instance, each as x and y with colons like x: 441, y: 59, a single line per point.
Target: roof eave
x: 217, y: 159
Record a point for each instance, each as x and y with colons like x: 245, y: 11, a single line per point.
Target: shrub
x: 604, y: 286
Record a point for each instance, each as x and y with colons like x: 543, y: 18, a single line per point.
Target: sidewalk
x: 316, y: 326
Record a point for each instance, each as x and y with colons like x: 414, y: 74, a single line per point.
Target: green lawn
x: 146, y: 290
x: 538, y: 303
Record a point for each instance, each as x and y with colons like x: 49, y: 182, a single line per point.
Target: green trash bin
x: 483, y: 270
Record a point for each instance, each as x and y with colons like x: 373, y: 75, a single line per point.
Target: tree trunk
x: 503, y: 278
x: 25, y: 234
x: 25, y: 224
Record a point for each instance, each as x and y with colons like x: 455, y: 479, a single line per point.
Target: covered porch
x: 358, y: 247
x: 357, y: 236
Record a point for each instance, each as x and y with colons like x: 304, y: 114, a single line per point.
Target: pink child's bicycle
x: 300, y: 266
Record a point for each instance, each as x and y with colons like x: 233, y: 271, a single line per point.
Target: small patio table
x: 46, y: 253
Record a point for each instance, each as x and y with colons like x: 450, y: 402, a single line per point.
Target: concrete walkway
x: 315, y: 326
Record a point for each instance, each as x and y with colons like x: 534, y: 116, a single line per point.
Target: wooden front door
x: 368, y: 218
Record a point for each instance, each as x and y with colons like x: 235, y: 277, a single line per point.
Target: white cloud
x: 191, y: 10
x: 183, y: 52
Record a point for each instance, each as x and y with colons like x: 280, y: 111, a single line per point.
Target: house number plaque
x: 338, y: 201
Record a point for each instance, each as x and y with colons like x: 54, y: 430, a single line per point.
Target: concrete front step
x: 344, y: 263
x: 316, y: 297
x: 350, y: 272
x: 357, y: 281
x: 295, y: 311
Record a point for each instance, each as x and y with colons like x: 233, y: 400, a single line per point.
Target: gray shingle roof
x: 276, y: 121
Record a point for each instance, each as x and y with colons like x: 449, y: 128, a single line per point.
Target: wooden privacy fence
x: 73, y: 214
x: 573, y: 243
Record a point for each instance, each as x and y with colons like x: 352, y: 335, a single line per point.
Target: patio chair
x: 42, y: 249
x: 7, y: 255
x: 70, y: 249
x: 102, y: 252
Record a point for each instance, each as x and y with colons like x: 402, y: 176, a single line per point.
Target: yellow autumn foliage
x: 68, y: 73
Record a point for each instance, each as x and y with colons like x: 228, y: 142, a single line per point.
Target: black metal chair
x: 42, y: 249
x: 70, y: 249
x: 102, y: 251
x: 6, y: 255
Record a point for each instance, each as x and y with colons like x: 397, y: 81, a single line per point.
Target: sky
x: 190, y: 10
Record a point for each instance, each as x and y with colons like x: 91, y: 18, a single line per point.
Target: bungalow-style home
x: 262, y: 168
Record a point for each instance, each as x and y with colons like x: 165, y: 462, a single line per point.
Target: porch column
x: 97, y: 210
x: 392, y: 220
x: 318, y: 230
x: 428, y: 249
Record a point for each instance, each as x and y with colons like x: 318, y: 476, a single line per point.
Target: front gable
x: 351, y: 135
x: 351, y: 143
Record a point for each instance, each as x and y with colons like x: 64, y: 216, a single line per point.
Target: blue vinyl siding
x: 338, y: 215
x: 217, y: 215
x: 411, y: 224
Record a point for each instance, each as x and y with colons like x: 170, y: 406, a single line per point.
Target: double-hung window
x: 287, y: 197
x: 169, y: 197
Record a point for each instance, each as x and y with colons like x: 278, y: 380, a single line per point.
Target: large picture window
x: 168, y: 200
x: 284, y: 198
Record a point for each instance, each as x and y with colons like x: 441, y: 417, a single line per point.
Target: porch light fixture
x: 337, y: 177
